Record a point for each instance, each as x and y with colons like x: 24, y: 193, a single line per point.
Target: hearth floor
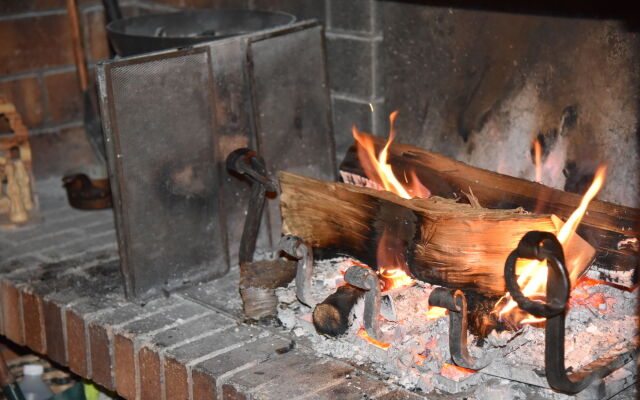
x: 61, y: 295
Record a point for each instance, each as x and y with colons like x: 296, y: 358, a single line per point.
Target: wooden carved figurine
x: 22, y: 179
x: 4, y: 200
x: 17, y: 211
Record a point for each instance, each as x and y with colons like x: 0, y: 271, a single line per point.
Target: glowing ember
x: 379, y: 170
x: 454, y: 372
x: 580, y: 296
x: 391, y: 249
x: 436, y: 312
x: 395, y: 278
x: 537, y: 149
x: 363, y: 334
x: 533, y: 274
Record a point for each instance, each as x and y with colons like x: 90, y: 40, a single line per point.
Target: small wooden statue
x: 17, y: 210
x: 17, y: 197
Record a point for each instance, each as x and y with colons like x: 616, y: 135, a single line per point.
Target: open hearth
x: 496, y: 259
x: 402, y: 331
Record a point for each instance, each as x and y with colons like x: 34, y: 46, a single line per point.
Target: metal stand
x: 545, y: 246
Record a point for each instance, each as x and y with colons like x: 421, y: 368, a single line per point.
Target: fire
x: 395, y: 278
x: 378, y: 169
x: 537, y: 149
x: 363, y: 334
x: 390, y: 252
x: 533, y: 274
x: 436, y: 312
x: 454, y: 372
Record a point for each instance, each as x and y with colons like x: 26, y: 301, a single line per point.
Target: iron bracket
x: 368, y: 280
x: 299, y: 249
x: 456, y: 302
x: 545, y: 246
x: 248, y: 163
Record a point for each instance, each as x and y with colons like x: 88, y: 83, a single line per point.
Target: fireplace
x: 540, y: 93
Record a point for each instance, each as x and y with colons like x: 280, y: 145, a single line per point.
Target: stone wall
x: 481, y: 85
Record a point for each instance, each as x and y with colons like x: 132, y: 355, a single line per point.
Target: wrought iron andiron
x: 545, y: 246
x: 456, y: 303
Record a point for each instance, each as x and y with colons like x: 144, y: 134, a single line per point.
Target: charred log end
x: 333, y: 316
x: 258, y: 283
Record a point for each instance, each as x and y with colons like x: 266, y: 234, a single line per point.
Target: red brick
x: 215, y: 3
x: 11, y: 310
x: 34, y: 43
x: 178, y: 3
x: 33, y: 322
x: 26, y: 95
x: 54, y: 332
x: 149, y: 366
x: 302, y: 372
x: 98, y: 44
x: 175, y: 380
x: 64, y: 97
x: 354, y: 387
x: 101, y: 363
x: 76, y: 343
x: 124, y: 367
x: 204, y: 385
x: 207, y: 374
x: 231, y: 393
x: 48, y: 150
x: 18, y: 6
x: 400, y: 395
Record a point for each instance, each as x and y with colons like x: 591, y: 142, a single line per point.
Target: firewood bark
x: 258, y: 283
x: 443, y: 242
x: 332, y: 316
x: 606, y: 226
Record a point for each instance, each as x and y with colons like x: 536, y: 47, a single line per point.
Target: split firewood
x: 605, y: 226
x: 258, y: 283
x: 333, y: 316
x: 443, y: 242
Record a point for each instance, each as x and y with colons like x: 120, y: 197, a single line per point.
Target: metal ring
x: 540, y: 246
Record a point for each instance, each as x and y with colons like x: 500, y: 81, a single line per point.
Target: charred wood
x: 258, y: 283
x: 333, y: 316
x: 443, y: 242
x: 606, y: 226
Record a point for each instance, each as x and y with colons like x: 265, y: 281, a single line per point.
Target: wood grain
x: 442, y: 241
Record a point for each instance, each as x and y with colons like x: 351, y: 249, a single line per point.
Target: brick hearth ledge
x: 62, y: 296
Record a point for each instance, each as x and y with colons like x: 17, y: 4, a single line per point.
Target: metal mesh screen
x: 162, y: 148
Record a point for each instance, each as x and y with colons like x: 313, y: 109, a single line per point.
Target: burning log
x: 606, y: 226
x: 443, y: 242
x: 332, y: 317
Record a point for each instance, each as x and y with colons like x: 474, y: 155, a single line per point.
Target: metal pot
x: 148, y: 33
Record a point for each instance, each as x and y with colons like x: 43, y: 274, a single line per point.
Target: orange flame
x: 537, y: 149
x: 454, y: 372
x: 363, y: 334
x: 436, y: 312
x: 395, y: 278
x: 533, y: 274
x: 378, y: 169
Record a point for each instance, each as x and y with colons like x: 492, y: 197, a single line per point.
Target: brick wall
x: 38, y: 73
x: 353, y: 44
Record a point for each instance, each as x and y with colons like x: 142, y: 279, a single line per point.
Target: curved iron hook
x: 545, y: 246
x: 296, y: 247
x: 456, y: 303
